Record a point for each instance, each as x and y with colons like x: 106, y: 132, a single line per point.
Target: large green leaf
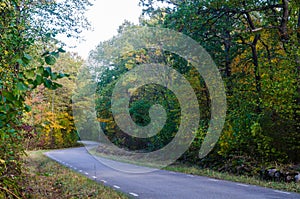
x: 61, y: 50
x: 50, y: 59
x: 21, y: 86
x: 47, y: 72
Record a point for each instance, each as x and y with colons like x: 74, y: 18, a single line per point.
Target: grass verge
x: 47, y: 179
x: 283, y: 186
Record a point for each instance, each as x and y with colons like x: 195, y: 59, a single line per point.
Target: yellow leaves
x: 6, y: 7
x: 2, y: 5
x: 57, y: 126
x: 129, y: 54
x: 103, y: 120
x: 139, y: 59
x: 132, y: 91
x: 58, y: 138
x: 158, y: 52
x: 2, y: 161
x: 129, y: 65
x: 132, y: 58
x: 226, y: 139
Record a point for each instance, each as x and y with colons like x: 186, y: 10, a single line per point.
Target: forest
x: 254, y: 45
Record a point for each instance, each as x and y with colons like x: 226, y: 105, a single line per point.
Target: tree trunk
x: 256, y: 70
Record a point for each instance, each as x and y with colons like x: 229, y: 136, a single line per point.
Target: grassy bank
x: 47, y: 179
x: 290, y: 187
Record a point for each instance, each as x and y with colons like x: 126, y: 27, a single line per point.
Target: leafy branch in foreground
x: 19, y: 35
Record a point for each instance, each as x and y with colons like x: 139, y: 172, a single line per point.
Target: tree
x: 251, y: 42
x: 111, y: 68
x: 18, y: 77
x: 51, y: 110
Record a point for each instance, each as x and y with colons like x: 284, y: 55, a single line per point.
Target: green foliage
x: 51, y: 114
x: 256, y: 47
x: 22, y: 70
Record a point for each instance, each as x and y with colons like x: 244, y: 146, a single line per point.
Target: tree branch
x: 284, y: 21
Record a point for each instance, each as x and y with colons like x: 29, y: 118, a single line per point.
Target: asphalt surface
x: 160, y: 184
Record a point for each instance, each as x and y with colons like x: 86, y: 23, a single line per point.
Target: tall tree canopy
x: 255, y: 45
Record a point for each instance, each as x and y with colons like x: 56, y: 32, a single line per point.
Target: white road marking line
x: 172, y: 172
x: 117, y: 187
x: 94, y: 177
x: 242, y: 185
x: 190, y: 176
x: 103, y: 181
x: 134, y: 194
x: 283, y: 192
x: 80, y: 171
x: 86, y: 173
x: 214, y: 180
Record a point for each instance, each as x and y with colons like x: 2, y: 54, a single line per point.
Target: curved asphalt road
x: 161, y: 184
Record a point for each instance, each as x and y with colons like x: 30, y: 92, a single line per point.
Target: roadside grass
x: 194, y: 170
x: 46, y: 179
x: 125, y: 159
x: 283, y: 186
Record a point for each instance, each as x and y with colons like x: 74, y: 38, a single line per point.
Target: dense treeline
x: 51, y: 115
x: 27, y: 50
x: 255, y: 45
